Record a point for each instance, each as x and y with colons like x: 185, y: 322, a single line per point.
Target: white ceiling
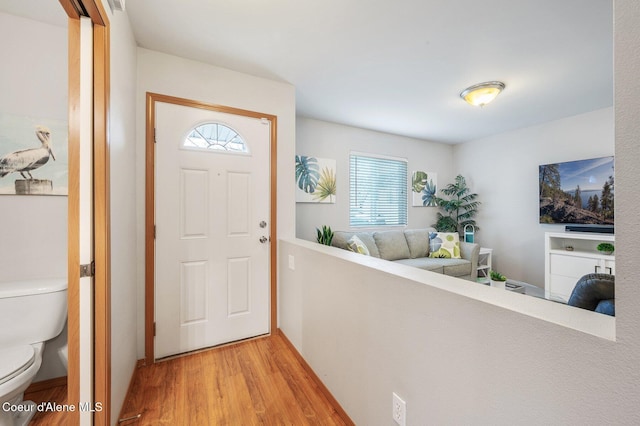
x: 399, y: 66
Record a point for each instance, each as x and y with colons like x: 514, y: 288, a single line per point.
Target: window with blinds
x: 378, y: 191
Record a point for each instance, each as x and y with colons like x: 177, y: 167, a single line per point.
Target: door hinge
x: 154, y: 329
x: 154, y: 232
x: 88, y: 270
x: 154, y: 135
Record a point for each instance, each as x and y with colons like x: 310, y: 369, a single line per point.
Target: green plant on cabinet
x: 497, y: 276
x: 606, y: 248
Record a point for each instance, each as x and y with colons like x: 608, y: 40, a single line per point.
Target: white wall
x: 503, y: 170
x: 329, y: 140
x: 33, y: 83
x: 124, y: 264
x: 457, y: 360
x: 456, y: 351
x: 174, y: 76
x: 627, y: 131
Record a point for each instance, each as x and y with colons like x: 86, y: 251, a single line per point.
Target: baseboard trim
x: 47, y: 384
x: 325, y: 391
x: 130, y: 416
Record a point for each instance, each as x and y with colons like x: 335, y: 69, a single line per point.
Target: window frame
x: 387, y: 218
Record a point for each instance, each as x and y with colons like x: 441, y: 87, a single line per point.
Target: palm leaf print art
x: 326, y: 187
x: 429, y: 194
x: 307, y: 173
x: 418, y: 181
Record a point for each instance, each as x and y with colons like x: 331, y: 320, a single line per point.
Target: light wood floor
x: 57, y: 394
x: 255, y: 382
x: 258, y: 382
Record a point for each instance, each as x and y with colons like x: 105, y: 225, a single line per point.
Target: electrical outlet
x: 399, y: 412
x: 292, y: 262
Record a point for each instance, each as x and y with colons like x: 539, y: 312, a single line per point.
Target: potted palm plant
x: 460, y: 208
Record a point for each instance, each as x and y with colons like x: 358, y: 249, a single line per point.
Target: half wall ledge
x: 303, y: 251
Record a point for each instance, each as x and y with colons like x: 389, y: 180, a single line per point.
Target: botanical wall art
x: 424, y: 186
x: 315, y: 179
x: 33, y: 156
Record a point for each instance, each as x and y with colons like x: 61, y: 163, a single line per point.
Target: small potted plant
x: 606, y: 248
x: 325, y: 236
x: 497, y: 279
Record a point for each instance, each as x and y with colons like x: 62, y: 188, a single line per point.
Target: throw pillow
x: 356, y: 245
x: 444, y: 245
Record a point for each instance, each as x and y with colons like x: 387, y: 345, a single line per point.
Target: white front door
x: 212, y: 221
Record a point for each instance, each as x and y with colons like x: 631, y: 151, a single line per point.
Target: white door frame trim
x: 151, y: 100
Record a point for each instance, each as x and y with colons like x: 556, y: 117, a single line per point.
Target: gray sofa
x: 411, y: 247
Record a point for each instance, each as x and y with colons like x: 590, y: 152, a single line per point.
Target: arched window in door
x: 216, y: 137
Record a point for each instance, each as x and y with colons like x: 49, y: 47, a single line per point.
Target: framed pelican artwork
x: 33, y: 156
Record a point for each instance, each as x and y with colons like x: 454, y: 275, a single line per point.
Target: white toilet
x: 31, y: 312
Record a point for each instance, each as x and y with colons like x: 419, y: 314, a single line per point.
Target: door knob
x: 263, y: 239
x: 263, y: 224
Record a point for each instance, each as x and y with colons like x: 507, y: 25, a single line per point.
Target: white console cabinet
x: 569, y: 256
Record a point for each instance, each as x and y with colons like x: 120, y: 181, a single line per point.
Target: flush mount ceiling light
x: 483, y: 93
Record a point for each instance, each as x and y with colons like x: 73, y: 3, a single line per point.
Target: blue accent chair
x: 596, y: 293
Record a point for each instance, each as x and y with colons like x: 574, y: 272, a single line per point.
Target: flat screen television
x: 577, y: 192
